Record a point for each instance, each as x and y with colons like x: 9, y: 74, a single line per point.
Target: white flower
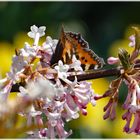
x: 36, y: 33
x: 23, y: 92
x: 41, y: 88
x: 52, y: 117
x: 35, y: 30
x: 76, y: 64
x: 5, y: 89
x: 50, y: 45
x: 71, y: 114
x: 15, y: 76
x: 18, y: 63
x: 18, y: 66
x: 33, y: 112
x: 28, y: 51
x: 83, y: 92
x: 62, y: 70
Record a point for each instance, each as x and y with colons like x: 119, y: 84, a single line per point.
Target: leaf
x: 124, y: 57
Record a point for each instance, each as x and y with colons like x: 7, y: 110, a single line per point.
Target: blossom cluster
x: 49, y: 98
x: 55, y: 99
x: 130, y: 75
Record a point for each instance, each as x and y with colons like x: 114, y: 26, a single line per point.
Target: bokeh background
x: 106, y: 26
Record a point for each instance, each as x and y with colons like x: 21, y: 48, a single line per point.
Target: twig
x: 96, y: 74
x: 89, y: 75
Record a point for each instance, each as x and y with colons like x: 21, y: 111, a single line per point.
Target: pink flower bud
x: 112, y: 60
x: 132, y: 41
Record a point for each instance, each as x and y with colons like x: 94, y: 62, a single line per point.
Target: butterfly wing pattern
x: 71, y: 44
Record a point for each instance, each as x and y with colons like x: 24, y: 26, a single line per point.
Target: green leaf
x: 124, y: 57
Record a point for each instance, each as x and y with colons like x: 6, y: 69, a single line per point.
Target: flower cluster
x: 55, y: 99
x: 130, y: 75
x: 49, y: 98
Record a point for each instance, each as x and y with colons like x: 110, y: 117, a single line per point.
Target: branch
x: 89, y: 75
x: 96, y: 74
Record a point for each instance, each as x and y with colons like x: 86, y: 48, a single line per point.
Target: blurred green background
x: 106, y: 27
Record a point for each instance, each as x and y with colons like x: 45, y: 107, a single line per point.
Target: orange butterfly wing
x: 73, y: 44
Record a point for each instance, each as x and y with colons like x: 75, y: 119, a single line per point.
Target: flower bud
x: 112, y: 60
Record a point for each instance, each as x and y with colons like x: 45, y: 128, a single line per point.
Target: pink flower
x: 135, y: 128
x: 45, y: 58
x: 5, y: 89
x: 112, y: 60
x: 132, y: 41
x: 58, y: 130
x: 132, y: 105
x: 49, y: 45
x: 83, y: 95
x: 110, y: 109
x: 54, y: 98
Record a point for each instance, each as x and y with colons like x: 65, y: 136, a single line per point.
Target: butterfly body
x: 73, y: 44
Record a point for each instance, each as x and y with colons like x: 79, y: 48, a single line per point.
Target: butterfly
x: 71, y: 44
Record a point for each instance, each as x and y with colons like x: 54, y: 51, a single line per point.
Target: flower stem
x: 36, y: 39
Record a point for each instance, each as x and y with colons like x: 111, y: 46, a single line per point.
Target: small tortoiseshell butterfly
x: 71, y: 44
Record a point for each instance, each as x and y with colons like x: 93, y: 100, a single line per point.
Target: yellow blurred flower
x: 122, y: 43
x: 22, y: 37
x: 6, y: 52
